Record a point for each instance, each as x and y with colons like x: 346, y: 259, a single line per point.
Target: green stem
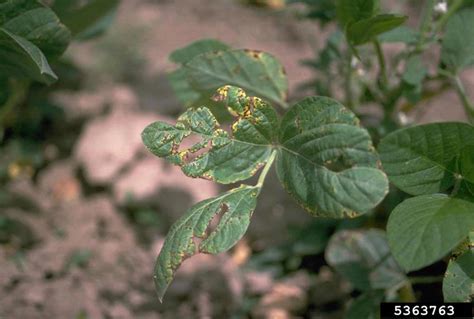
x: 457, y: 185
x: 466, y: 101
x: 18, y: 91
x: 383, y: 70
x: 266, y: 169
x: 425, y: 24
x: 452, y: 8
x: 406, y: 293
x: 348, y: 81
x: 425, y: 280
x: 426, y: 18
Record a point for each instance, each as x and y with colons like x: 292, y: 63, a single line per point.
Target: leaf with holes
x: 363, y: 258
x: 224, y: 158
x: 326, y: 161
x: 424, y: 229
x: 194, y: 232
x: 257, y: 72
x: 458, y: 283
x: 422, y: 159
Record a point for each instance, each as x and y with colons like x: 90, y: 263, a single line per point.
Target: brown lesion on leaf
x: 254, y: 53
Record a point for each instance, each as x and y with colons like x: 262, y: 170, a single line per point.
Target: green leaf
x: 458, y: 283
x: 363, y: 258
x: 179, y: 79
x: 366, y: 306
x: 184, y: 55
x: 29, y: 34
x: 20, y: 57
x: 458, y: 42
x: 36, y: 23
x: 400, y: 34
x: 327, y: 162
x: 257, y: 72
x: 466, y: 167
x: 422, y: 159
x: 415, y: 71
x: 223, y: 158
x: 81, y: 18
x: 193, y: 232
x: 183, y: 90
x: 423, y: 229
x: 366, y: 30
x: 349, y: 11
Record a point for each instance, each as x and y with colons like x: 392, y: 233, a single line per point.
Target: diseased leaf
x: 257, y: 72
x: 422, y: 159
x: 224, y: 158
x: 366, y: 306
x: 363, y: 258
x: 367, y: 30
x: 458, y: 42
x: 192, y: 233
x: 350, y: 11
x: 36, y: 23
x: 184, y: 55
x: 458, y: 283
x: 327, y: 162
x: 20, y: 57
x: 423, y: 229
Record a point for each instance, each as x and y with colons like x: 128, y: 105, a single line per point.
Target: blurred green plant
x: 33, y: 37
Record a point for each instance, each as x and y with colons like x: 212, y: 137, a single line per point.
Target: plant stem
x: 466, y: 101
x: 18, y: 93
x: 348, y: 81
x: 383, y: 71
x: 426, y: 18
x: 406, y: 293
x: 425, y: 280
x: 451, y: 10
x: 266, y: 169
